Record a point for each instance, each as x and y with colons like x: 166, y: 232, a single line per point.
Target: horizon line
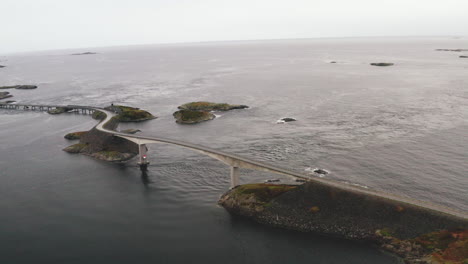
x: 89, y: 48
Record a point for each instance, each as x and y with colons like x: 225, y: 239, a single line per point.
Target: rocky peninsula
x: 398, y: 227
x: 196, y: 112
x: 104, y: 146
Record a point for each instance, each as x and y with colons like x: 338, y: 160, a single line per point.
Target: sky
x: 29, y: 25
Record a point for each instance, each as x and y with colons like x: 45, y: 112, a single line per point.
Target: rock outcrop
x: 285, y: 120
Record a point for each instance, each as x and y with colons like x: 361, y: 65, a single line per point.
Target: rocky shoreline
x: 316, y: 207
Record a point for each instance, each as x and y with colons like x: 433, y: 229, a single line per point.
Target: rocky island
x: 463, y: 56
x: 196, y: 112
x: 20, y: 87
x: 382, y: 64
x: 417, y: 234
x: 2, y: 66
x: 104, y: 146
x: 453, y: 50
x: 84, y: 53
x: 192, y: 117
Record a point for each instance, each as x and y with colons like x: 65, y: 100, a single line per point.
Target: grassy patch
x: 263, y: 192
x: 98, y: 115
x: 386, y: 232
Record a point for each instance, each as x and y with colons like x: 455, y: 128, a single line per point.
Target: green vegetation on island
x: 75, y: 135
x: 382, y: 64
x: 195, y: 112
x: 125, y: 114
x: 208, y: 106
x: 192, y: 117
x: 131, y: 114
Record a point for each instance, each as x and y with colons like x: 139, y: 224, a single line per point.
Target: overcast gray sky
x: 55, y: 24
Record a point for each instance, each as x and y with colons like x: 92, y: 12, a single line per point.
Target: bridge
x: 232, y: 160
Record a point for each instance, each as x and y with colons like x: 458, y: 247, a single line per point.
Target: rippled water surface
x: 400, y: 129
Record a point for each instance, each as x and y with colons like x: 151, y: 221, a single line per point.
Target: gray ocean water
x: 400, y: 129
